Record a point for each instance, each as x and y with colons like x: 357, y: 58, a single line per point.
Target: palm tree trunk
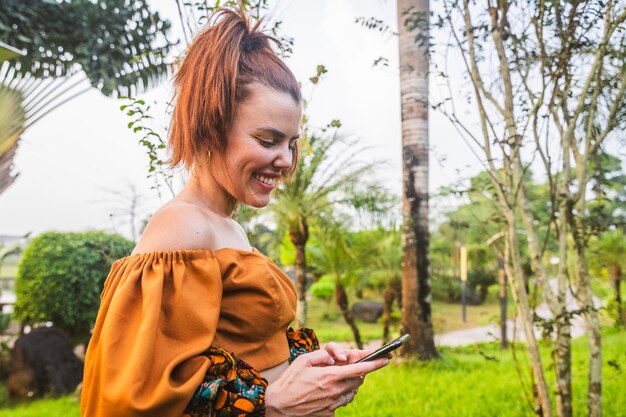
x: 301, y: 310
x: 342, y: 301
x: 413, y: 47
x: 299, y: 235
x: 389, y: 295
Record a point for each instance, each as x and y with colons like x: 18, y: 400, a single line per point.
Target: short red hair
x: 213, y: 78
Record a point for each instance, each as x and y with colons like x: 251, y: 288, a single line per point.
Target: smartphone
x: 383, y: 351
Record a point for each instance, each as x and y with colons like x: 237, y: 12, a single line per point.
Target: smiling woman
x: 195, y: 321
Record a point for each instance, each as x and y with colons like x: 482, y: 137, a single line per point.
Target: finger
x: 345, y: 384
x: 317, y: 358
x: 362, y: 368
x: 337, y: 352
x: 352, y: 384
x: 343, y: 399
x: 356, y: 354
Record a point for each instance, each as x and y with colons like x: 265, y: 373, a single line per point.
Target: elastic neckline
x: 182, y: 252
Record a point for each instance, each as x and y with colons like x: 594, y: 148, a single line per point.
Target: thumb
x: 318, y: 358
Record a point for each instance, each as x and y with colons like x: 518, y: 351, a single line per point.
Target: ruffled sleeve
x: 158, y: 314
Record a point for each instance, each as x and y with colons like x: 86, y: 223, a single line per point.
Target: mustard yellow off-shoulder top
x: 159, y: 311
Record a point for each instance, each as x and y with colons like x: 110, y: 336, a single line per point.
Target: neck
x: 203, y: 188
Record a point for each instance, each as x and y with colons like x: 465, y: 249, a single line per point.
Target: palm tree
x: 334, y: 256
x: 416, y: 309
x: 327, y: 178
x: 69, y: 48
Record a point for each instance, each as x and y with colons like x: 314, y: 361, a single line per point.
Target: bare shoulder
x: 240, y: 231
x: 178, y: 225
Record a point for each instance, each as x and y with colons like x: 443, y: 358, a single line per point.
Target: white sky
x: 69, y: 159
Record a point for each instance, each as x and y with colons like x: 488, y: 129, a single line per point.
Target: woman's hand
x: 314, y: 386
x: 345, y: 356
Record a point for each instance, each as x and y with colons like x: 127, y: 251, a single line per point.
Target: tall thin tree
x: 416, y: 308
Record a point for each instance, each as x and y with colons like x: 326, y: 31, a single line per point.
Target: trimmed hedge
x: 61, y: 277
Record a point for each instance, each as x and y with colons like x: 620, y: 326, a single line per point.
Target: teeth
x: 265, y: 180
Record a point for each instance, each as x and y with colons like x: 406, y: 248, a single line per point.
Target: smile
x: 264, y: 180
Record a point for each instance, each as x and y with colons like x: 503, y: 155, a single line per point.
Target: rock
x: 368, y: 311
x: 43, y: 362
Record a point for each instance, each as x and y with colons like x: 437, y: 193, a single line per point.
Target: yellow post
x: 463, y: 263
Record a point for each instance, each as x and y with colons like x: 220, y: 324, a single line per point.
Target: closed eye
x: 268, y: 143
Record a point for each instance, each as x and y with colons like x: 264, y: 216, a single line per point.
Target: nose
x: 284, y: 158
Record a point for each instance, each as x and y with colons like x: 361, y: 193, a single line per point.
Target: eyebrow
x: 277, y: 134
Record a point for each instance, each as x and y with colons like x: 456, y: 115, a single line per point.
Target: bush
x: 61, y: 277
x: 323, y: 288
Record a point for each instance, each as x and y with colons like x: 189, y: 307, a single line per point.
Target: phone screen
x: 389, y: 347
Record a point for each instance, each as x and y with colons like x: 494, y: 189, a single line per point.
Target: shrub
x: 323, y: 288
x: 61, y: 277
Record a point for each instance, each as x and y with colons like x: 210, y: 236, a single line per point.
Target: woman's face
x: 259, y: 146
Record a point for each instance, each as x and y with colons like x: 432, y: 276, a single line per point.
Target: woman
x: 195, y: 321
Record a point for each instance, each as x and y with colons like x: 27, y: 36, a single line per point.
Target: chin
x: 257, y: 202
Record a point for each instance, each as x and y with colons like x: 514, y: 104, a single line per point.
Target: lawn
x: 479, y: 380
x: 482, y: 381
x: 474, y: 381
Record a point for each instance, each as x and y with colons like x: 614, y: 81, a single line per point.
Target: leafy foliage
x: 152, y: 142
x: 119, y: 44
x: 61, y: 277
x: 323, y: 288
x: 607, y: 209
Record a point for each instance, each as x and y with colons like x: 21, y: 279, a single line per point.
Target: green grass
x: 53, y: 407
x: 465, y: 383
x: 474, y: 381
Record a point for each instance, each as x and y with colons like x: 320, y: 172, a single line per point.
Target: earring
x: 208, y: 156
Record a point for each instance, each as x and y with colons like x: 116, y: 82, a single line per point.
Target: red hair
x: 213, y: 79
